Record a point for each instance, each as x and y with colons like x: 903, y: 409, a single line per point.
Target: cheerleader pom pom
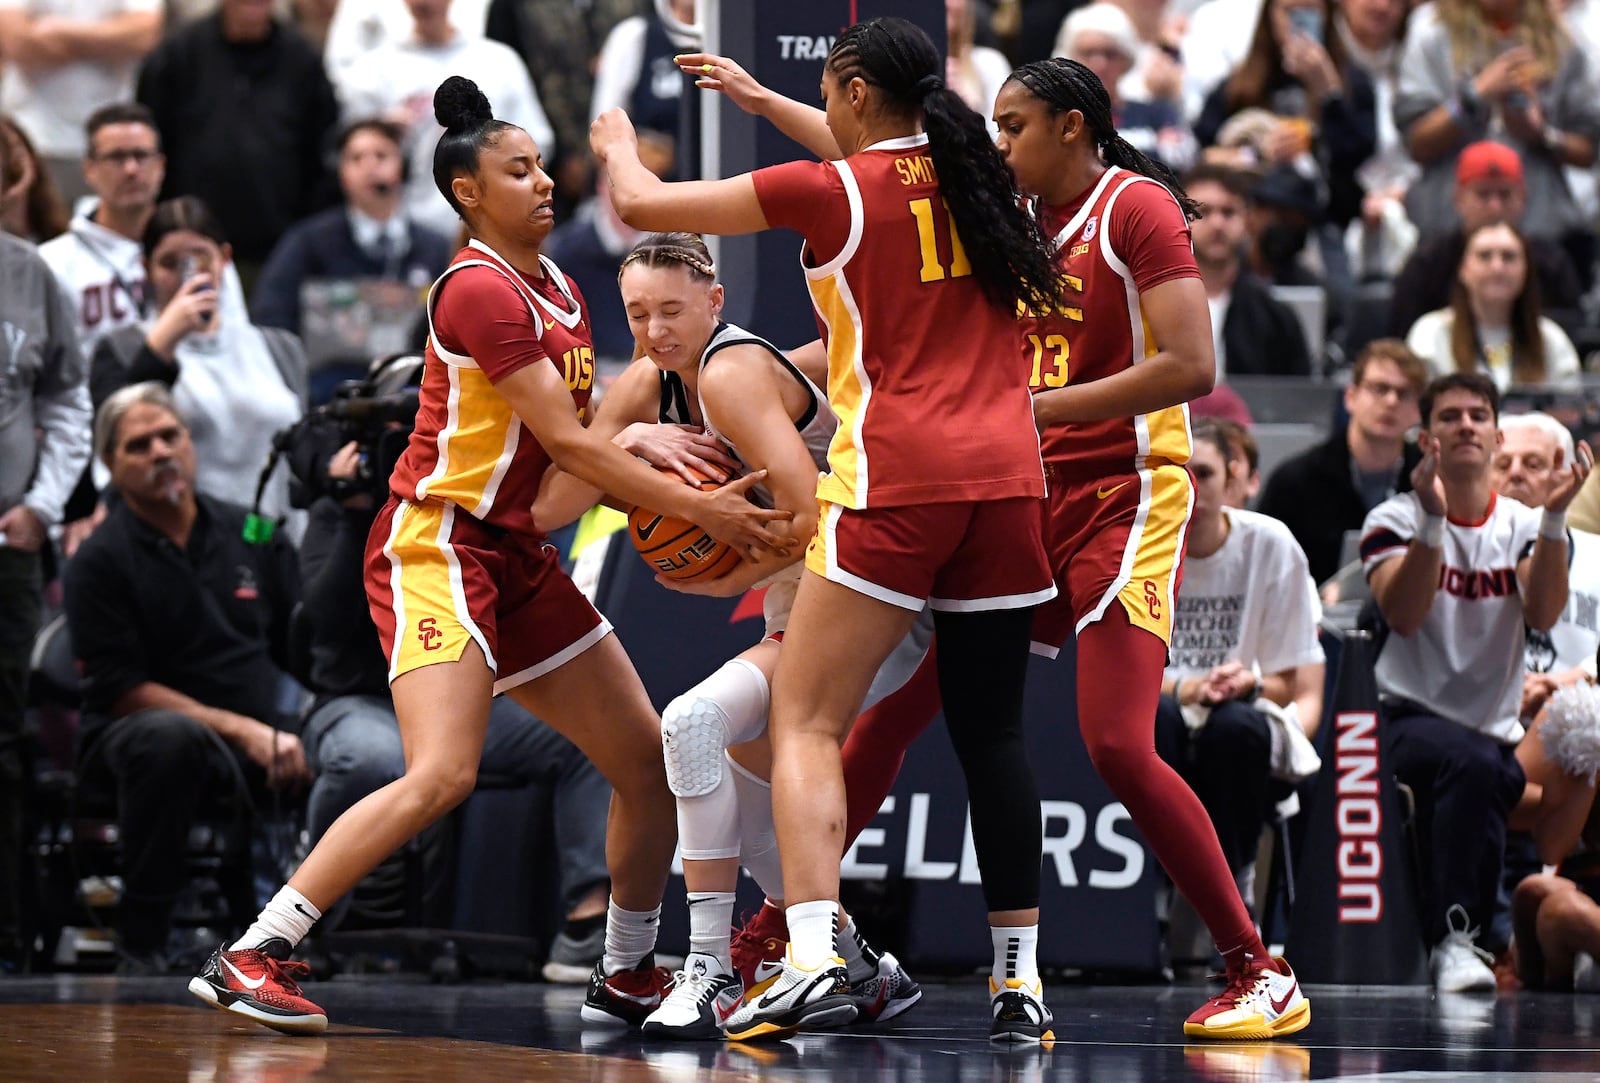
x: 1571, y: 731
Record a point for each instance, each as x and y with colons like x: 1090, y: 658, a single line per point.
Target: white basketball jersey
x: 1466, y: 661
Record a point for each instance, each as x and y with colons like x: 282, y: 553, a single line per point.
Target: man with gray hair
x: 44, y: 444
x: 1535, y: 452
x: 179, y: 615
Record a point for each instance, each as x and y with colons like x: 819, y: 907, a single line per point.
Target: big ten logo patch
x: 577, y: 365
x: 429, y: 635
x: 696, y: 550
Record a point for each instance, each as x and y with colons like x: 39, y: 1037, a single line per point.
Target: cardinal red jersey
x: 1125, y: 235
x: 486, y: 321
x: 923, y: 370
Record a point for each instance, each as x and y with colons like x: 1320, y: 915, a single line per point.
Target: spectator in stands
x: 559, y: 43
x: 1318, y: 110
x: 370, y: 237
x: 98, y: 260
x: 63, y: 60
x: 1245, y: 659
x: 1535, y: 451
x: 590, y: 246
x: 1326, y: 491
x: 1101, y: 38
x: 973, y: 71
x: 396, y: 81
x: 33, y: 207
x: 1493, y: 323
x: 176, y: 620
x: 360, y: 26
x: 1281, y: 214
x: 1457, y: 575
x: 1157, y: 74
x: 1506, y: 67
x: 352, y: 738
x: 636, y: 72
x: 1489, y: 189
x: 1243, y: 459
x: 1254, y: 334
x: 44, y: 429
x: 1373, y: 34
x: 236, y: 384
x: 1555, y: 916
x: 245, y: 114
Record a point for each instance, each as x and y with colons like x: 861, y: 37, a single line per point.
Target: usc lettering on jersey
x: 922, y: 369
x: 1126, y: 235
x: 469, y: 447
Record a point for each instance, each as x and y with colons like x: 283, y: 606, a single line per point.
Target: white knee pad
x: 727, y: 708
x: 758, y: 835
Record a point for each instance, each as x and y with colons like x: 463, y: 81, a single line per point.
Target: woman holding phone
x: 237, y: 384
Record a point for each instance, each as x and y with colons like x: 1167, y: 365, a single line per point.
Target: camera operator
x: 352, y: 737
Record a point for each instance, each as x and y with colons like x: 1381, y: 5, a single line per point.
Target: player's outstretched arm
x: 644, y: 201
x: 805, y: 124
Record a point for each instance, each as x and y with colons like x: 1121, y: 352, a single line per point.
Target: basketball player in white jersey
x: 1457, y: 572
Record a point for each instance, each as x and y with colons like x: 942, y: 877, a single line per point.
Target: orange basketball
x: 677, y: 548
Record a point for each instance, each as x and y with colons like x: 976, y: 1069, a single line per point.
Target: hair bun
x: 458, y: 104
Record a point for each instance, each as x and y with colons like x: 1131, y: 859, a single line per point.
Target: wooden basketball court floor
x: 69, y: 1028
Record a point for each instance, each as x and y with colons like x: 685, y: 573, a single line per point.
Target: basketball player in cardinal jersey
x: 469, y: 599
x: 1111, y: 369
x: 932, y: 494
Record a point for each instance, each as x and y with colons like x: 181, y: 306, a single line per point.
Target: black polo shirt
x: 209, y: 620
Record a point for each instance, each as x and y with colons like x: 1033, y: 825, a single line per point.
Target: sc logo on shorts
x: 428, y: 632
x: 1152, y: 599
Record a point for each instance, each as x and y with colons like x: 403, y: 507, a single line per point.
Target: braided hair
x: 1009, y: 258
x: 469, y: 126
x: 687, y: 250
x: 1066, y: 84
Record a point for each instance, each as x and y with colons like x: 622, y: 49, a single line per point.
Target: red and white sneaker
x: 759, y: 945
x: 258, y: 983
x: 627, y: 997
x: 1262, y: 1000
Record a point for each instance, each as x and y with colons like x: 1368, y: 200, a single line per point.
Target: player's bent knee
x: 694, y: 734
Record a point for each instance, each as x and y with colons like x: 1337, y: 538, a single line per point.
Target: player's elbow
x: 1199, y: 372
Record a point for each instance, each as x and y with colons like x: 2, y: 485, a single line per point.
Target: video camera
x: 377, y: 414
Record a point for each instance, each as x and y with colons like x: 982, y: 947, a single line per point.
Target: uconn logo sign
x: 1358, y: 817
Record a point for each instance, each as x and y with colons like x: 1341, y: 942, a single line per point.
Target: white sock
x: 630, y: 936
x: 288, y: 916
x: 1016, y: 953
x: 710, y: 925
x: 859, y: 958
x: 813, y: 929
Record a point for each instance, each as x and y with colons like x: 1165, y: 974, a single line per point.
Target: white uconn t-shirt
x: 1252, y: 602
x: 1466, y: 661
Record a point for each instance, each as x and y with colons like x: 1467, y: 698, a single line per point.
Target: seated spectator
x: 236, y: 384
x: 1281, y: 212
x: 636, y: 72
x: 1321, y: 108
x: 1243, y: 456
x: 177, y: 621
x: 360, y: 26
x: 973, y: 71
x: 256, y: 153
x: 1506, y: 67
x: 1494, y: 323
x: 44, y: 428
x: 1457, y: 575
x: 1101, y: 38
x: 1555, y: 918
x: 396, y: 81
x: 352, y: 737
x: 1373, y: 33
x: 65, y: 59
x: 34, y: 209
x: 1157, y: 74
x: 590, y: 246
x: 1254, y: 334
x: 1245, y: 658
x: 1488, y: 190
x: 1326, y: 491
x: 370, y: 237
x: 1535, y: 453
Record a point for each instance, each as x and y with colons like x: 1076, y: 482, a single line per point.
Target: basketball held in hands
x: 676, y: 548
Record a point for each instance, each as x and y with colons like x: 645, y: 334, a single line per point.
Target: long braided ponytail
x: 1066, y: 84
x: 1007, y: 252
